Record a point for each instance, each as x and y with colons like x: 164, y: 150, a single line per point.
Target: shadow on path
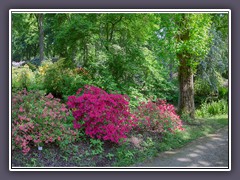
x: 210, y: 151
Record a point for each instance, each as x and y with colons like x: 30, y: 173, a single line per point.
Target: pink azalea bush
x: 102, y: 115
x: 39, y: 120
x: 158, y: 117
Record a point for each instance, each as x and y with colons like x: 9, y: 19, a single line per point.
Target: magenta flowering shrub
x: 158, y: 117
x: 39, y: 120
x: 102, y: 115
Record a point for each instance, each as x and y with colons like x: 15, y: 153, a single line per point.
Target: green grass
x: 204, y: 127
x: 201, y: 128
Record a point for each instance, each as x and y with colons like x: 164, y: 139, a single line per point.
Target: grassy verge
x: 83, y: 153
x: 202, y: 127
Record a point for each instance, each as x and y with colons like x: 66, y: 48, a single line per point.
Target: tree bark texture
x: 186, y: 88
x: 185, y: 74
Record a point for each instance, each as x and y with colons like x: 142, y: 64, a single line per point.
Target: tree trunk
x: 186, y: 88
x: 185, y: 74
x: 41, y: 36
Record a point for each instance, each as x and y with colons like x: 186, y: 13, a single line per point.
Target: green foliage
x: 102, y: 77
x: 186, y: 37
x: 96, y: 146
x: 45, y: 65
x: 24, y: 36
x: 202, y: 91
x: 215, y: 65
x: 110, y: 156
x: 155, y: 78
x: 22, y: 77
x: 58, y: 78
x: 149, y: 143
x: 124, y: 155
x: 205, y: 91
x: 211, y: 70
x: 32, y: 66
x: 72, y: 82
x: 117, y: 53
x: 186, y: 118
x: 53, y: 80
x: 214, y: 108
x: 185, y: 34
x: 221, y: 23
x: 223, y: 93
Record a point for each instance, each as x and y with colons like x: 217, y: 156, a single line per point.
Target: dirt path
x: 210, y: 151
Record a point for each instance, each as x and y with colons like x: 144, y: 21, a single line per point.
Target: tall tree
x: 193, y: 40
x: 186, y: 36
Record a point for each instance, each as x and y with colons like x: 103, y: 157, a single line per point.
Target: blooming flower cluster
x: 102, y: 115
x: 158, y: 117
x: 38, y: 120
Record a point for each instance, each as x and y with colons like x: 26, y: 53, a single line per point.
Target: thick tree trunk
x: 185, y: 74
x: 186, y: 88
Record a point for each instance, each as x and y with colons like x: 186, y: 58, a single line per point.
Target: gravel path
x: 210, y: 151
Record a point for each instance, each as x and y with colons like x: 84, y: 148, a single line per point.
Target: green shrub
x: 136, y: 97
x: 54, y: 77
x: 45, y: 65
x: 72, y: 83
x: 214, y: 108
x: 62, y: 81
x: 53, y: 81
x: 22, y: 77
x: 223, y: 93
x: 32, y: 66
x: 124, y: 155
x: 96, y: 146
x: 202, y: 90
x: 205, y: 91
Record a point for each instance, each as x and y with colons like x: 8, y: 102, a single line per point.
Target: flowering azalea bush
x: 102, y: 115
x: 39, y: 120
x: 158, y: 117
